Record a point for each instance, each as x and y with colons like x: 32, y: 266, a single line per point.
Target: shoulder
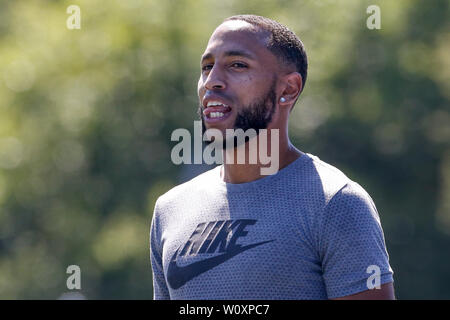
x: 184, y: 192
x: 339, y: 195
x: 324, y: 177
x: 352, y: 195
x: 353, y: 205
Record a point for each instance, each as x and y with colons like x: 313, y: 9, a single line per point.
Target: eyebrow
x: 231, y: 53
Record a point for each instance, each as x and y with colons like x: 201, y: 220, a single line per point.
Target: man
x: 304, y: 232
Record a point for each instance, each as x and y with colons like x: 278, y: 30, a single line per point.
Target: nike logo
x: 178, y: 276
x: 209, y: 237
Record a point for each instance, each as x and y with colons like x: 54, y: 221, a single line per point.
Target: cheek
x: 244, y: 86
x: 246, y: 80
x: 251, y: 88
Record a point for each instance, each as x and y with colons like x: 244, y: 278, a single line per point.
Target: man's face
x: 238, y: 78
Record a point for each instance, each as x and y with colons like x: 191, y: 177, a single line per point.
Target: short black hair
x: 283, y: 43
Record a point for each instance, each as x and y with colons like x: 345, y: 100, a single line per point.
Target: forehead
x: 237, y: 35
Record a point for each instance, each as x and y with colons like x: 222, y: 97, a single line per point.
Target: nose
x: 215, y: 80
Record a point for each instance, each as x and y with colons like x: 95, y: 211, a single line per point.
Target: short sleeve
x: 351, y: 243
x: 160, y: 290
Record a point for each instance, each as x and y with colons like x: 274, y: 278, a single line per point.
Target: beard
x: 255, y: 116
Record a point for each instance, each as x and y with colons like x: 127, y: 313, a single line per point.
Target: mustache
x: 216, y: 95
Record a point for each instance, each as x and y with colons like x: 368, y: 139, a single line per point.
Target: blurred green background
x: 86, y: 117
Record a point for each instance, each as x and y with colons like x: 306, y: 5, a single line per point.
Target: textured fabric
x: 307, y: 232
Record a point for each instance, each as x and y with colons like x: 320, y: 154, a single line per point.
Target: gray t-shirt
x: 307, y: 232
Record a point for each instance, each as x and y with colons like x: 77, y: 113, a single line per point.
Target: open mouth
x: 216, y: 113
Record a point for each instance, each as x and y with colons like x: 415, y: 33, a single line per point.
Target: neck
x: 246, y: 171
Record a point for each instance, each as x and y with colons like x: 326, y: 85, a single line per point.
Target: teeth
x: 215, y: 114
x: 215, y: 103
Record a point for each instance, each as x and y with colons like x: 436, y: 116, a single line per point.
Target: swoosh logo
x: 178, y: 276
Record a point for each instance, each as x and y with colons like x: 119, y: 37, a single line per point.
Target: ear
x: 293, y: 85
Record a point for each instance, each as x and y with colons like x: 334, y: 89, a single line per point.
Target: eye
x: 238, y: 65
x: 206, y: 67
